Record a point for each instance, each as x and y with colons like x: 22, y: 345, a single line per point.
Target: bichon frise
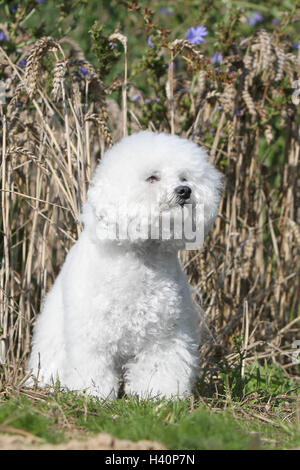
x: 121, y: 305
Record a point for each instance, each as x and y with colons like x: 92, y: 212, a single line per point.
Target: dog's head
x: 147, y: 184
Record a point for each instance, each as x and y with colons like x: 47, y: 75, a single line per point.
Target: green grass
x: 263, y: 416
x: 169, y: 422
x: 22, y: 413
x: 173, y: 423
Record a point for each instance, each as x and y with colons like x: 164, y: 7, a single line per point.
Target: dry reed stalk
x: 170, y: 91
x: 34, y: 61
x: 123, y: 39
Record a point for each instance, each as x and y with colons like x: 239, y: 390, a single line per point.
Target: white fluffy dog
x: 121, y: 307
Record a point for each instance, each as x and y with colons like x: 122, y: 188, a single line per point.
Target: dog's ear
x: 98, y: 213
x: 87, y: 216
x: 97, y: 197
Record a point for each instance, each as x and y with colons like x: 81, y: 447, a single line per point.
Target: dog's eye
x: 153, y: 179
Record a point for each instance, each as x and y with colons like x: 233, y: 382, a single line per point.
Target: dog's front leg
x: 91, y: 371
x: 163, y: 370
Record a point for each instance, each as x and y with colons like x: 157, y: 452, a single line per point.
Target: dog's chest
x: 139, y: 303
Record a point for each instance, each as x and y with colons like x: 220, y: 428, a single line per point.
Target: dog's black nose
x: 183, y: 192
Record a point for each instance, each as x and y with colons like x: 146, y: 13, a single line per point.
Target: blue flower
x: 14, y: 9
x: 166, y: 11
x: 22, y: 63
x: 83, y: 70
x: 40, y: 1
x: 149, y: 41
x: 136, y: 97
x: 216, y: 58
x: 196, y: 34
x: 2, y: 36
x: 275, y: 21
x: 254, y: 18
x: 295, y: 45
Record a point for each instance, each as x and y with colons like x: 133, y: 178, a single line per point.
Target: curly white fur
x: 123, y: 307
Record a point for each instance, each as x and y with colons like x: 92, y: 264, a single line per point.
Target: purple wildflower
x: 136, y: 97
x: 166, y: 11
x: 40, y: 1
x: 275, y: 21
x: 2, y: 36
x: 196, y: 34
x: 83, y: 70
x: 22, y: 63
x: 257, y: 16
x: 295, y: 45
x: 212, y: 131
x: 216, y: 58
x: 13, y: 9
x: 147, y: 101
x: 254, y: 18
x: 149, y: 41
